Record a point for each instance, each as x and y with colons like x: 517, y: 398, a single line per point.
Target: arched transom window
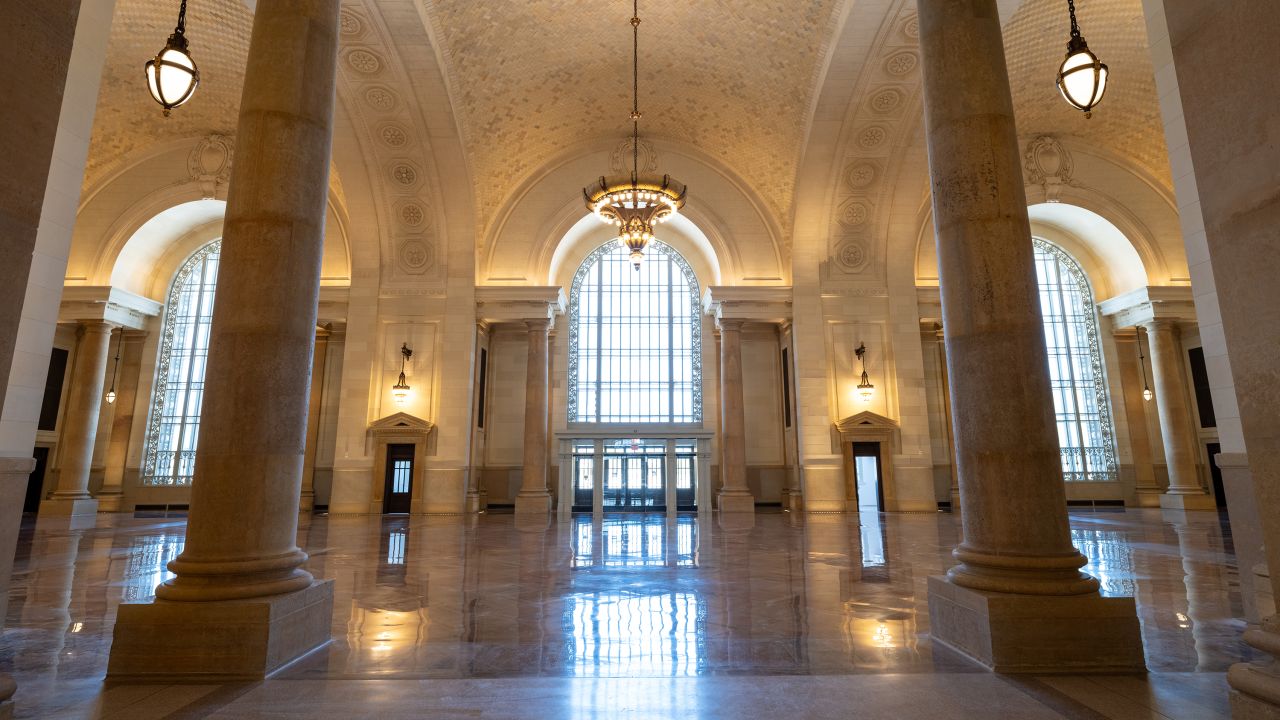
x: 1075, y: 366
x: 635, y: 340
x: 175, y: 402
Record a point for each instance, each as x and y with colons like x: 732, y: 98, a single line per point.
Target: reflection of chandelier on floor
x: 635, y: 204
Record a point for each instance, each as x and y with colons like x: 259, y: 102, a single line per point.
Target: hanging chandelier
x: 172, y: 76
x: 635, y: 204
x: 1082, y: 78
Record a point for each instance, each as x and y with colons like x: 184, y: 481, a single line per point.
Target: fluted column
x: 1185, y: 491
x: 533, y: 496
x: 735, y: 496
x: 241, y: 535
x: 1017, y: 540
x: 84, y: 405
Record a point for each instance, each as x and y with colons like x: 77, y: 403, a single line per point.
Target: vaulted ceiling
x: 530, y: 80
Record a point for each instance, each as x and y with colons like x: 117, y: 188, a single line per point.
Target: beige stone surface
x: 534, y: 496
x: 81, y: 424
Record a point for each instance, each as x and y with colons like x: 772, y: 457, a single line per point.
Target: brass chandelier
x: 635, y: 204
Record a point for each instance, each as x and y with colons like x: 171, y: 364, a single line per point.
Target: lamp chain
x: 635, y: 90
x: 1071, y: 8
x: 182, y: 19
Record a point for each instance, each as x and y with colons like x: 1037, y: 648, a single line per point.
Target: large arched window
x: 635, y: 339
x: 1075, y: 366
x: 175, y: 402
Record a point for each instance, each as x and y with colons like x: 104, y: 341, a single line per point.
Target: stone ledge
x: 1037, y: 633
x: 223, y: 641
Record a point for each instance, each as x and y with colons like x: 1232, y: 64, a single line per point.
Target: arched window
x: 635, y: 339
x: 1075, y: 366
x: 174, y: 422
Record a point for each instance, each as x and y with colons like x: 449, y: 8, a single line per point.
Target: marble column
x: 111, y: 495
x: 84, y: 405
x: 947, y: 420
x: 734, y: 496
x: 1185, y: 491
x: 533, y: 496
x: 307, y: 498
x: 240, y: 605
x: 1017, y: 602
x: 1135, y: 410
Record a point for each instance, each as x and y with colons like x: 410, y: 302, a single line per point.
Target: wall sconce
x: 1146, y: 389
x: 400, y: 391
x: 111, y: 393
x: 865, y: 389
x: 172, y: 76
x: 1082, y: 78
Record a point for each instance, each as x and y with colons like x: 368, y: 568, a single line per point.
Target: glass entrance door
x: 634, y: 482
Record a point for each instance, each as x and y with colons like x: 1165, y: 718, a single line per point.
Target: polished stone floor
x: 635, y: 616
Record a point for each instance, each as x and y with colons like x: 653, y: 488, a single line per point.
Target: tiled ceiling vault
x: 1127, y: 122
x: 127, y: 119
x: 531, y: 78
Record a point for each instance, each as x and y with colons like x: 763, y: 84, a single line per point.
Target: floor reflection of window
x: 395, y: 547
x: 639, y: 541
x: 146, y: 567
x: 1110, y: 560
x: 618, y: 634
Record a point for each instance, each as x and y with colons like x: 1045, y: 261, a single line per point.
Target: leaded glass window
x: 174, y: 423
x: 1075, y: 367
x: 635, y: 339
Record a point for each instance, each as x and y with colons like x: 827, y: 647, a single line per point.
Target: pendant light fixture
x: 172, y: 76
x: 637, y: 203
x: 1146, y: 389
x: 865, y: 389
x: 400, y: 391
x: 111, y: 393
x: 1082, y: 78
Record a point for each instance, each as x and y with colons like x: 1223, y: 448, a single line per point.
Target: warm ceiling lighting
x: 635, y: 204
x: 1082, y: 78
x: 172, y: 76
x: 400, y: 391
x: 865, y: 389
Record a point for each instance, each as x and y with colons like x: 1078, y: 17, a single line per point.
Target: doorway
x: 397, y: 496
x: 35, y: 481
x: 634, y: 482
x: 1215, y: 472
x: 867, y: 477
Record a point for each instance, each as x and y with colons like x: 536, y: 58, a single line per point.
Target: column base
x: 1149, y: 498
x: 1187, y: 502
x: 69, y: 507
x: 533, y: 503
x: 219, y: 641
x: 1037, y: 633
x: 736, y: 502
x: 7, y: 688
x: 109, y: 501
x: 1255, y: 687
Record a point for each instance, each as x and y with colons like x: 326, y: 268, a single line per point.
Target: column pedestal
x: 234, y: 640
x: 1037, y: 634
x: 1255, y: 687
x: 1197, y: 501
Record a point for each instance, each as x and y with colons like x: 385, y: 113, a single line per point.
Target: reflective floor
x: 642, y: 615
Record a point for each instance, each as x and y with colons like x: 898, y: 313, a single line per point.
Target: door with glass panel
x: 397, y: 496
x: 635, y: 476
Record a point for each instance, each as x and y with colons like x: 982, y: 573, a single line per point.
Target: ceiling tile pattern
x: 1127, y: 121
x: 127, y: 119
x: 533, y: 77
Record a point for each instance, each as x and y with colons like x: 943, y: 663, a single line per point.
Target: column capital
x: 539, y: 324
x: 518, y: 303
x: 724, y: 324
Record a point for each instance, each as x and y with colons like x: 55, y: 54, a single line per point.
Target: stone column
x: 84, y: 405
x: 947, y: 419
x: 1185, y: 492
x: 307, y: 498
x: 1135, y: 411
x: 1017, y: 601
x: 533, y: 496
x: 734, y: 496
x: 240, y: 605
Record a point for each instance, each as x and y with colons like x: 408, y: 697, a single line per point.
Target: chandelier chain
x: 182, y: 19
x: 1071, y: 9
x: 635, y: 90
